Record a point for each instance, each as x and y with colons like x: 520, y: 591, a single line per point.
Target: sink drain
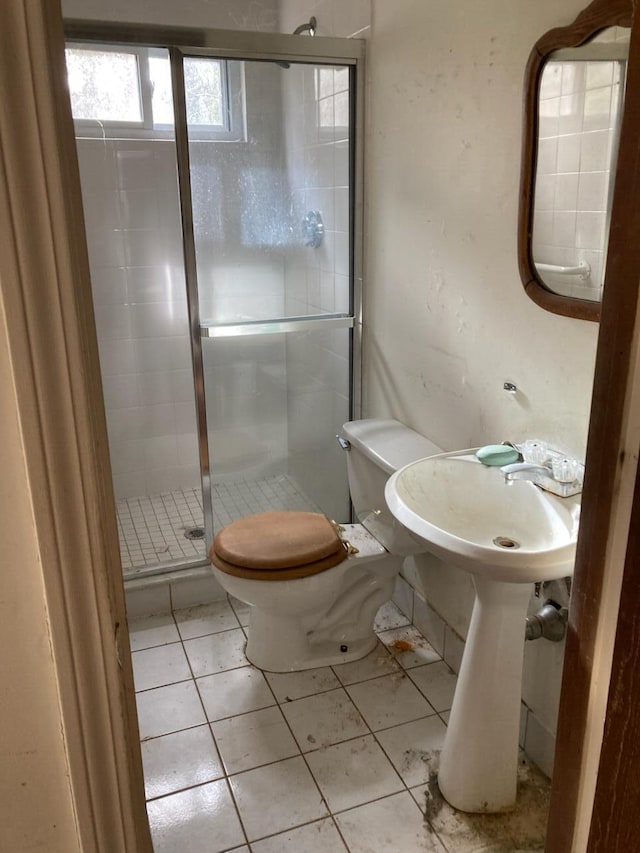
x: 505, y: 542
x: 194, y: 533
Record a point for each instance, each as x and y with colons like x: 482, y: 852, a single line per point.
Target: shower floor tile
x: 152, y: 528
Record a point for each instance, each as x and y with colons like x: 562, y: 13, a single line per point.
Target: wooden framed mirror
x: 573, y: 104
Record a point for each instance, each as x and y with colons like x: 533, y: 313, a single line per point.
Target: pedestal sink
x: 508, y: 536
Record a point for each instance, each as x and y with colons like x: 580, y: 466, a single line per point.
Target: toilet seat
x: 278, y: 546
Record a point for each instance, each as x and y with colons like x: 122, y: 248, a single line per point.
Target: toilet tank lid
x: 387, y: 442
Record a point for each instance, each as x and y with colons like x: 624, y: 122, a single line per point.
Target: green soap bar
x: 497, y: 454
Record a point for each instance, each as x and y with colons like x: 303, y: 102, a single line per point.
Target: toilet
x: 314, y: 586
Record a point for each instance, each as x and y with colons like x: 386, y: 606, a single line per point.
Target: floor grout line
x: 332, y: 815
x: 218, y: 753
x: 309, y: 770
x: 370, y: 732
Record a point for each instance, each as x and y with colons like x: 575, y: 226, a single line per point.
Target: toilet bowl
x: 314, y: 589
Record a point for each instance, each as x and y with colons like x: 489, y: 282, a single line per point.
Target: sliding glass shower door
x: 271, y: 229
x: 219, y: 199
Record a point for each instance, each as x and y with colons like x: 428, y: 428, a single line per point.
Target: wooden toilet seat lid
x: 278, y: 545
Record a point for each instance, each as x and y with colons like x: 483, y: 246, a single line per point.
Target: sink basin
x: 508, y: 536
x: 467, y: 514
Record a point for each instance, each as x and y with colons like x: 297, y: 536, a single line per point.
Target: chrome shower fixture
x: 313, y: 229
x: 303, y: 28
x: 307, y: 28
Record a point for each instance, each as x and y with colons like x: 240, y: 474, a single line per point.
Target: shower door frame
x: 184, y: 42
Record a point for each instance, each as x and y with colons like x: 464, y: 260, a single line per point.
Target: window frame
x: 232, y: 92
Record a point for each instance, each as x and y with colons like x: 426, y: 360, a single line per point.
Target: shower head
x: 303, y: 28
x: 307, y: 28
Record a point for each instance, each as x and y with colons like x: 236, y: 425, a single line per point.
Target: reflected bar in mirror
x: 582, y: 269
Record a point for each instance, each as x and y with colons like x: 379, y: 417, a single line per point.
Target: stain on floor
x: 517, y: 831
x: 400, y: 646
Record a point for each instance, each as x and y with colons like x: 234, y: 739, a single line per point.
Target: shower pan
x: 221, y: 176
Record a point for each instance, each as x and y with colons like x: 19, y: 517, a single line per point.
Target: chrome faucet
x: 562, y: 476
x: 526, y: 471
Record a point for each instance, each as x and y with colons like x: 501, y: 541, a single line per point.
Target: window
x: 122, y: 90
x: 104, y: 85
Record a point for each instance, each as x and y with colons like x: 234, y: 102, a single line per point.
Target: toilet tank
x: 377, y: 448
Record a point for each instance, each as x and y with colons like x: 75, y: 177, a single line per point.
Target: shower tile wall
x: 135, y: 252
x: 316, y: 106
x: 239, y: 204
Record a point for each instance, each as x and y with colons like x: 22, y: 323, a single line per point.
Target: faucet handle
x: 567, y: 470
x: 535, y: 451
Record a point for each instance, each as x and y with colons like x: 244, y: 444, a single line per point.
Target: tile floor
x: 152, y: 529
x: 332, y: 759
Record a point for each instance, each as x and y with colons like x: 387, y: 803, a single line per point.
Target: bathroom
x: 445, y: 320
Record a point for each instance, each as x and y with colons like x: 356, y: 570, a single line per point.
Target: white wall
x: 343, y: 18
x: 218, y: 14
x: 36, y: 800
x: 446, y: 318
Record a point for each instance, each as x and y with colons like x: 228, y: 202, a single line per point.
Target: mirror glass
x: 579, y: 114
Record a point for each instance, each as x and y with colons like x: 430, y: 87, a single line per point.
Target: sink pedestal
x: 479, y: 761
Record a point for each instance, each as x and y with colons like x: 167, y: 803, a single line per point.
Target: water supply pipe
x: 549, y: 622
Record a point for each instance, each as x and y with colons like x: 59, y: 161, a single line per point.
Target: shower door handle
x: 277, y: 326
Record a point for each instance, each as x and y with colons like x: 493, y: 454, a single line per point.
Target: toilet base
x: 322, y: 619
x: 287, y: 655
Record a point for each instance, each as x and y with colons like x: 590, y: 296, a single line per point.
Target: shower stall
x: 221, y: 179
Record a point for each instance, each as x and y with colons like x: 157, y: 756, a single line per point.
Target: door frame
x: 46, y: 295
x: 585, y: 811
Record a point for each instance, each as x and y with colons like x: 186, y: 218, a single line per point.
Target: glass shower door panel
x: 134, y: 237
x: 271, y: 199
x: 270, y: 192
x: 274, y: 406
